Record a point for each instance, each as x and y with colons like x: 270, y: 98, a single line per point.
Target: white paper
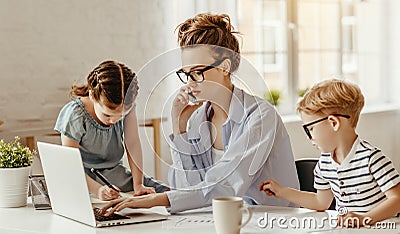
x: 189, y: 221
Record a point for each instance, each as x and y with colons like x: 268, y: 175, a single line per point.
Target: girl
x: 102, y: 122
x: 229, y: 143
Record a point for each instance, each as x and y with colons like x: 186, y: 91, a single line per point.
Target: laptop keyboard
x: 101, y: 217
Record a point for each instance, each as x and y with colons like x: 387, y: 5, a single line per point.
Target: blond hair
x: 333, y: 96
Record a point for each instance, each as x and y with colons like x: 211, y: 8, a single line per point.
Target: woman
x: 227, y: 143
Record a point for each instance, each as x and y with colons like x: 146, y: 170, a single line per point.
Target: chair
x: 305, y: 172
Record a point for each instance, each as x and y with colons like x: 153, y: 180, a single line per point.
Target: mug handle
x: 249, y: 213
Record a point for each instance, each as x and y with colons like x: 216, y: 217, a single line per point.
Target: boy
x: 362, y: 179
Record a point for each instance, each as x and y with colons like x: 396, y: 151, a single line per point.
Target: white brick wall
x: 46, y: 45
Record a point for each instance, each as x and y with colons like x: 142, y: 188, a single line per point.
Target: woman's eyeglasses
x: 305, y: 126
x: 196, y: 75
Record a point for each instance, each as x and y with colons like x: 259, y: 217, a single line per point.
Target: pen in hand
x: 104, y: 179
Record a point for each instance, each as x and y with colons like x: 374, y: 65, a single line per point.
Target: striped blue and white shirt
x: 360, y: 181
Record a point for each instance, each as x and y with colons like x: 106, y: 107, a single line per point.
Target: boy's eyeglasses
x: 196, y: 75
x: 305, y: 126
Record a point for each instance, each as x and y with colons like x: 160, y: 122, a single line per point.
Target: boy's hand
x: 140, y: 189
x: 106, y: 193
x: 352, y: 220
x: 271, y: 188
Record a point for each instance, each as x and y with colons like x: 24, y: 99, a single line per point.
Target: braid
x: 122, y: 81
x: 111, y: 81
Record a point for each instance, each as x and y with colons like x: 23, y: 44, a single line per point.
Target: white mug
x: 227, y: 212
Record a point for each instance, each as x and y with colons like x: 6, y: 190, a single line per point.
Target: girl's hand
x: 352, y: 220
x: 106, y: 193
x: 181, y: 110
x: 271, y: 188
x: 140, y: 189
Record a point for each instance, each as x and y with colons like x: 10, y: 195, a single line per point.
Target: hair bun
x: 224, y: 22
x: 210, y: 22
x: 210, y: 29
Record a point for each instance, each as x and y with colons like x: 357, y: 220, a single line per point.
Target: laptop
x: 69, y: 194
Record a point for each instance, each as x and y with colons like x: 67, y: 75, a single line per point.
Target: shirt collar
x: 351, y: 154
x: 354, y: 148
x: 236, y: 107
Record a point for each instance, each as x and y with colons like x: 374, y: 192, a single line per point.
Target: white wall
x: 380, y: 128
x: 392, y: 55
x: 46, y: 45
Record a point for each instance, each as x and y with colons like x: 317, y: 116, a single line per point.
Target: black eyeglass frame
x: 189, y: 74
x: 305, y: 126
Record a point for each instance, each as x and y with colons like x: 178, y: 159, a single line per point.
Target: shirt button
x: 341, y: 183
x: 343, y: 194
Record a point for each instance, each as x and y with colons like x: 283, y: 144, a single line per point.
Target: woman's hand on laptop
x: 145, y: 201
x: 106, y: 193
x: 122, y: 203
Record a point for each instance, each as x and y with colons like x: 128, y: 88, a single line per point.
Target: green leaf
x: 13, y: 154
x: 273, y: 96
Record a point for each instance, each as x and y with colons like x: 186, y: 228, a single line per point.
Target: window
x: 296, y: 43
x: 263, y: 28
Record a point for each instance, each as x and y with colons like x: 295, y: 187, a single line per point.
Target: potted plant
x: 15, y: 164
x: 302, y: 92
x: 273, y: 97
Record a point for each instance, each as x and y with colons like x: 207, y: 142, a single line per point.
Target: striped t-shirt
x: 359, y: 182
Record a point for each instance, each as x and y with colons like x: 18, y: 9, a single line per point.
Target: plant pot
x: 14, y: 186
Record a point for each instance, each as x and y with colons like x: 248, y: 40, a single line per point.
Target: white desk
x: 30, y: 221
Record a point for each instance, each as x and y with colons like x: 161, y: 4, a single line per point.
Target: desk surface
x: 30, y: 221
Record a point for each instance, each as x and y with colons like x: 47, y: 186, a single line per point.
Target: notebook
x: 69, y: 194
